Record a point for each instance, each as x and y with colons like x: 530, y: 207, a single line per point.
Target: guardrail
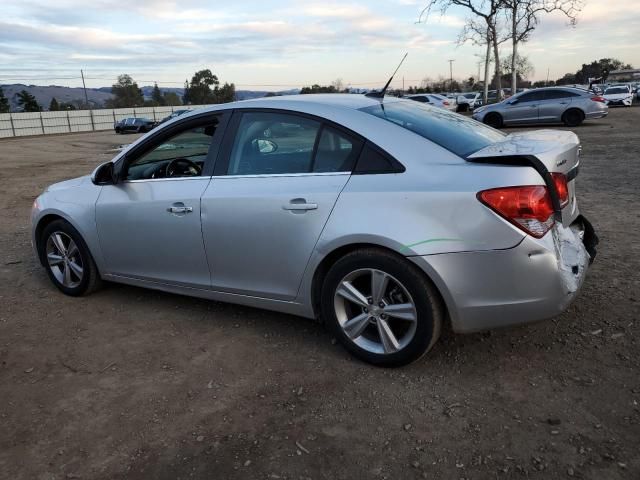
x: 69, y: 121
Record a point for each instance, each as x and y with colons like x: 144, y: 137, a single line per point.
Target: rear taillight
x: 598, y: 98
x: 445, y: 103
x: 528, y: 207
x: 560, y: 181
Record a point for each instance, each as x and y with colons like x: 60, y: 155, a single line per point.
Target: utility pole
x: 84, y: 87
x: 547, y: 84
x: 86, y: 100
x: 451, y: 75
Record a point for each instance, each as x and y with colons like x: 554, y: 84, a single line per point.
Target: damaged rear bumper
x: 536, y: 280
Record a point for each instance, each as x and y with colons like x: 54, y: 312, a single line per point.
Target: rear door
x: 274, y: 186
x: 554, y: 104
x: 523, y: 108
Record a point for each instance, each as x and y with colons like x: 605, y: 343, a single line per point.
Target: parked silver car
x: 570, y: 106
x: 383, y: 217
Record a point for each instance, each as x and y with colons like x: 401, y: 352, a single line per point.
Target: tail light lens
x: 528, y: 207
x: 560, y: 181
x: 598, y: 98
x: 445, y: 103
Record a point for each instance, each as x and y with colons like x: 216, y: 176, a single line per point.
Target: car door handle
x: 300, y: 205
x: 182, y: 209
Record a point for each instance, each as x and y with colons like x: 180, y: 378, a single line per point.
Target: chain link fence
x: 69, y: 121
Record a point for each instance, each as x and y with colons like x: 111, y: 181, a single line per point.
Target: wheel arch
x: 50, y: 217
x: 334, y: 255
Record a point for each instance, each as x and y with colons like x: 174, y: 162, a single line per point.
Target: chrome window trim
x: 170, y: 179
x: 304, y: 174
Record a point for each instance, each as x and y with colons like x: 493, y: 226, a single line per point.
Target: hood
x: 66, y: 184
x: 618, y: 96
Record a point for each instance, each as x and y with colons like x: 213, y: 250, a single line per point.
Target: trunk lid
x: 559, y: 152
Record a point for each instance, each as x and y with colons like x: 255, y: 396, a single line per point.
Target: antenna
x: 381, y: 93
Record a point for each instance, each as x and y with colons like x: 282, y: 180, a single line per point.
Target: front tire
x: 381, y: 307
x: 493, y: 119
x: 67, y: 259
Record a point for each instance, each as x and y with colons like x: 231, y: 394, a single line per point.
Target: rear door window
x: 558, y: 94
x: 270, y: 143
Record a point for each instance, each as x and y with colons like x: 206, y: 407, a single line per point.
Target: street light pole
x: 451, y: 74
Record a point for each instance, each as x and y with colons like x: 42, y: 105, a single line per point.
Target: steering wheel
x: 182, y: 167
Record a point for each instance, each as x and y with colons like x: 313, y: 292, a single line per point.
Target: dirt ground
x: 132, y: 383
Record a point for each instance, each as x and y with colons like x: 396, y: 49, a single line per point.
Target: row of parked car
x: 141, y: 124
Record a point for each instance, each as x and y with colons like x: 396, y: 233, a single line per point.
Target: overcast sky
x: 279, y: 44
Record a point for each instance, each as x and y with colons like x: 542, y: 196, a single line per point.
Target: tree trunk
x: 496, y: 62
x: 514, y: 51
x: 487, y: 61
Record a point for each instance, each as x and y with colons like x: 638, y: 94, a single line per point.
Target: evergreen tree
x: 28, y: 102
x: 4, y: 103
x: 54, y: 106
x: 156, y: 96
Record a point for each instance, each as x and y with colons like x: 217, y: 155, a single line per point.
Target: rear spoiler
x: 527, y: 161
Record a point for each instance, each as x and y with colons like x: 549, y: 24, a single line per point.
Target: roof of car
x: 347, y: 100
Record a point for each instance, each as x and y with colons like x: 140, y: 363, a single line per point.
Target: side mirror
x: 513, y: 101
x: 104, y: 175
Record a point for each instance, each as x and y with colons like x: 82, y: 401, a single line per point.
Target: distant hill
x: 44, y: 94
x: 97, y: 96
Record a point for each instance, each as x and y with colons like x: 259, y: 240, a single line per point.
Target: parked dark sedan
x: 137, y: 125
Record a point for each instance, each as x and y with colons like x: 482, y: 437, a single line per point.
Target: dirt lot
x: 131, y: 383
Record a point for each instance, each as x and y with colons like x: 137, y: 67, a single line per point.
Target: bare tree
x: 523, y: 17
x: 481, y: 27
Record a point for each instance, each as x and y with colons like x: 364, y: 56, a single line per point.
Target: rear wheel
x: 67, y: 259
x: 381, y: 307
x: 493, y: 119
x: 573, y: 117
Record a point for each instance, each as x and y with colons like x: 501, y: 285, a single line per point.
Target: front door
x: 264, y: 210
x: 149, y: 223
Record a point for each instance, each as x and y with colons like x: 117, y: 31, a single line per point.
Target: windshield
x: 470, y: 95
x: 616, y: 90
x: 458, y: 134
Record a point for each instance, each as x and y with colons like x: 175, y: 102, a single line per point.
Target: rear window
x: 458, y: 134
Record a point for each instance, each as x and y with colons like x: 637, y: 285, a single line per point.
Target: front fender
x: 75, y: 205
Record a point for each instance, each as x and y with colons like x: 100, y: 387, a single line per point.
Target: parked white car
x: 435, y: 99
x: 620, y: 95
x: 469, y: 101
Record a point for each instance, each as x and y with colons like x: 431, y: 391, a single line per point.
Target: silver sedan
x: 567, y: 105
x: 384, y: 218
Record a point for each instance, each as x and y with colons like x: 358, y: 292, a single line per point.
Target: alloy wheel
x: 64, y: 259
x: 375, y: 311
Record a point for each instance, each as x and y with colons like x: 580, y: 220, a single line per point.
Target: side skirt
x: 291, y: 308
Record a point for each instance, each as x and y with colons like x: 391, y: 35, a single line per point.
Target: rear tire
x: 493, y: 119
x: 67, y: 259
x: 573, y: 117
x: 390, y: 326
